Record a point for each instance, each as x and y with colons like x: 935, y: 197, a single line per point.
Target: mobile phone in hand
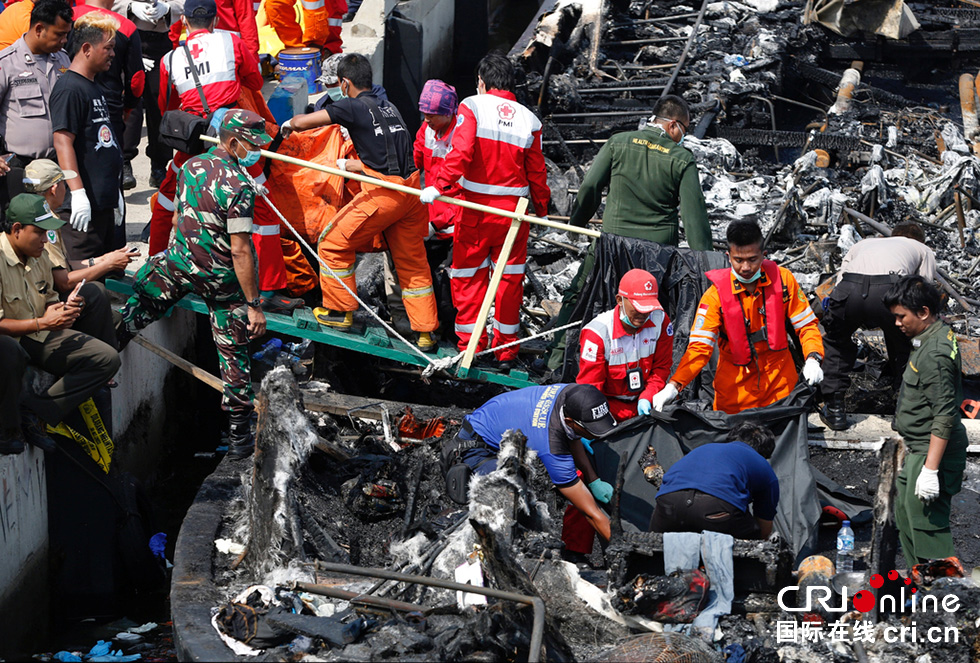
x: 74, y: 294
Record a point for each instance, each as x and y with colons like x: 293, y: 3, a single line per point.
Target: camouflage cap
x: 328, y: 74
x: 247, y: 125
x: 31, y: 209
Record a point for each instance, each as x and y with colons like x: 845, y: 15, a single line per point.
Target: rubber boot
x: 241, y: 442
x: 833, y: 413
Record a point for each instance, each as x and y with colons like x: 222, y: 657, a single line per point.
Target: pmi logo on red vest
x: 864, y: 600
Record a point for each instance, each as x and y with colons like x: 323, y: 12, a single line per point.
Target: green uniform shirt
x: 648, y: 176
x: 932, y: 391
x: 215, y: 199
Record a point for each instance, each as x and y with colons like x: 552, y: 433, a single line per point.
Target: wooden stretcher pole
x: 181, y: 363
x: 417, y: 192
x: 498, y: 274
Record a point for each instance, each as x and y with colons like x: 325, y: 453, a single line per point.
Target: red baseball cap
x: 640, y: 288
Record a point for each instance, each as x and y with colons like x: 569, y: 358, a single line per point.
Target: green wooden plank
x: 303, y: 318
x: 374, y: 341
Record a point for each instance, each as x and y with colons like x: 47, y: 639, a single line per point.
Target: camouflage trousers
x: 158, y: 286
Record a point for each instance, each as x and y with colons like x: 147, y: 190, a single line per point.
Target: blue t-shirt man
x: 554, y: 419
x: 712, y: 487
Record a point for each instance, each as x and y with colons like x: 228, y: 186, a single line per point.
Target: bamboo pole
x: 498, y: 274
x: 486, y: 209
x: 181, y: 363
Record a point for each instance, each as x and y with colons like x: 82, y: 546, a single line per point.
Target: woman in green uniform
x: 928, y: 418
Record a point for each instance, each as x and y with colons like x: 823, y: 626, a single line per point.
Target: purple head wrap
x: 438, y: 98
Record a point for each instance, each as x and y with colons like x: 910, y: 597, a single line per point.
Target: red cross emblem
x: 196, y: 50
x: 505, y: 111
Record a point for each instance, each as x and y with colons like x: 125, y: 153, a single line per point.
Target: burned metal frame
x: 536, y: 602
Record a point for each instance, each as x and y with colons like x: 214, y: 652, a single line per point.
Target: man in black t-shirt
x: 86, y: 143
x: 384, y: 147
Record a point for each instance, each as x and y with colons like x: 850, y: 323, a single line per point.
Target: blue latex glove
x: 67, y: 657
x: 587, y: 443
x: 644, y: 407
x: 601, y: 490
x: 100, y: 649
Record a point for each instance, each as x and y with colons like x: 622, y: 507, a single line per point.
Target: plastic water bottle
x: 845, y: 548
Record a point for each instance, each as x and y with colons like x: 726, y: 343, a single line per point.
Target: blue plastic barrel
x: 303, y: 61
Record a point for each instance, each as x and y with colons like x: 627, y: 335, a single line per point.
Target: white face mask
x: 752, y: 279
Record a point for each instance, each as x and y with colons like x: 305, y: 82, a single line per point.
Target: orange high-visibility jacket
x: 772, y: 375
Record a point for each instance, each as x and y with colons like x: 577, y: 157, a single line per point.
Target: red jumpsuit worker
x: 224, y: 65
x: 744, y: 314
x: 322, y: 21
x: 496, y: 159
x: 433, y: 143
x: 626, y: 353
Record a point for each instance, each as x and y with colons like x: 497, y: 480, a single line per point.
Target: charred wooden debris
x: 807, y: 131
x: 824, y: 137
x: 304, y: 569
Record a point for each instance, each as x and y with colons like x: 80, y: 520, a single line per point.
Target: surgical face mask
x: 250, y: 159
x: 334, y: 93
x: 626, y: 320
x: 752, y: 279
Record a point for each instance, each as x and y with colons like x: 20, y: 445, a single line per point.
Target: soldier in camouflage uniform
x: 212, y: 257
x: 928, y: 418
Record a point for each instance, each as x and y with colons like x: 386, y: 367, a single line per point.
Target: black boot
x: 241, y: 442
x: 833, y: 413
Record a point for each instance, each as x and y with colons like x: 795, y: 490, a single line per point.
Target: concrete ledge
x: 23, y: 553
x: 193, y: 591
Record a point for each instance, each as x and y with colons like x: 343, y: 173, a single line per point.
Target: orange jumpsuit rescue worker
x: 744, y: 313
x: 384, y: 147
x: 627, y: 352
x: 496, y: 158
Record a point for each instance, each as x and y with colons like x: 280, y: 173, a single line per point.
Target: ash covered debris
x: 793, y: 126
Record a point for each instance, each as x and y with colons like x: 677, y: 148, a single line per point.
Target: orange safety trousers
x: 402, y: 221
x: 322, y: 22
x: 300, y: 276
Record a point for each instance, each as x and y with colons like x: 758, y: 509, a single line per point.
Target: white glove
x: 81, y: 210
x: 927, y: 485
x: 812, y: 372
x: 156, y: 11
x: 342, y: 164
x: 664, y: 396
x: 120, y: 210
x: 429, y: 194
x: 141, y: 10
x: 149, y: 64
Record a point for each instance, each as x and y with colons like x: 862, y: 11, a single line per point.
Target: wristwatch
x: 255, y: 303
x: 815, y: 355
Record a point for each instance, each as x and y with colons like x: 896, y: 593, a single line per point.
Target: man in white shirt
x: 869, y: 269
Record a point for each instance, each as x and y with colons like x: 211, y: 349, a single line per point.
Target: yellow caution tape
x: 100, y: 450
